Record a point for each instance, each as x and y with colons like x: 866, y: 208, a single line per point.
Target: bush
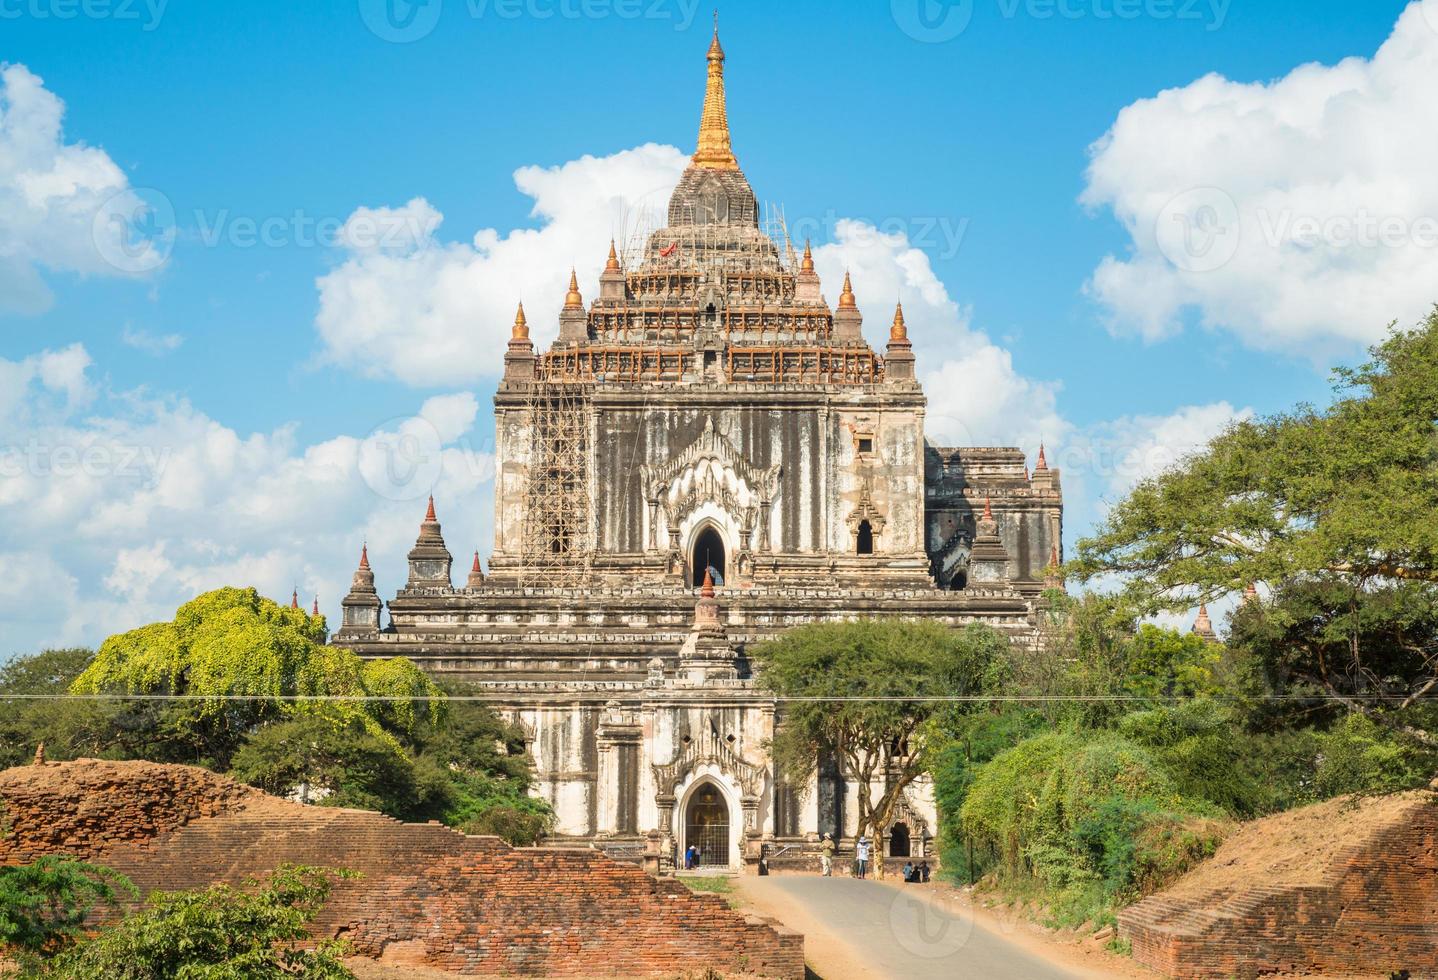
x: 220, y: 932
x: 1093, y: 818
x: 44, y: 904
x: 1357, y: 756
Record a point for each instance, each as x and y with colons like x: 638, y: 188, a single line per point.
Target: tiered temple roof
x: 713, y: 297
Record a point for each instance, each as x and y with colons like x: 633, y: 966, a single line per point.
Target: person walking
x: 826, y: 856
x: 861, y: 856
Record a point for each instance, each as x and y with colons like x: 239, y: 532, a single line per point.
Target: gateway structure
x: 709, y: 414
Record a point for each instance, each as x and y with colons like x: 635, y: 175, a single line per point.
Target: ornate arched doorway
x: 706, y: 826
x: 899, y: 843
x: 864, y: 543
x: 708, y: 553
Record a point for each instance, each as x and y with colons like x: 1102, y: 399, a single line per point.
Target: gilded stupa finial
x: 611, y: 264
x: 898, y: 332
x: 521, y: 326
x: 808, y: 264
x: 715, y: 152
x: 846, y: 295
x: 572, y: 299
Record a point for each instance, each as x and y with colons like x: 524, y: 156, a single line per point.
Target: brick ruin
x: 1347, y: 887
x: 427, y: 896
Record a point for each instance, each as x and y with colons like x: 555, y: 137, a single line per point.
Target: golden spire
x: 572, y: 299
x: 611, y: 264
x: 846, y: 295
x: 521, y: 326
x: 714, y: 151
x: 808, y: 264
x: 898, y: 333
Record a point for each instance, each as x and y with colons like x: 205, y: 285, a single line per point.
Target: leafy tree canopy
x: 236, y: 658
x: 1331, y: 645
x: 868, y: 692
x: 1351, y: 490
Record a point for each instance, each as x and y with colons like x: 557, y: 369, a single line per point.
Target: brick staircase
x: 1348, y: 887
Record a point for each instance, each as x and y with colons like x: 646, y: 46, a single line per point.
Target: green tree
x: 44, y: 904
x: 218, y: 933
x: 330, y: 760
x: 233, y: 660
x: 1331, y: 645
x: 1351, y: 490
x: 466, y: 768
x: 33, y: 709
x: 872, y: 692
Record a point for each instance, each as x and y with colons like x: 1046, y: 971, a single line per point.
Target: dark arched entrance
x: 866, y: 538
x: 899, y: 845
x: 706, y: 826
x: 708, y: 553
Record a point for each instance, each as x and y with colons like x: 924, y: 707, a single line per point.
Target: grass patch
x: 713, y: 885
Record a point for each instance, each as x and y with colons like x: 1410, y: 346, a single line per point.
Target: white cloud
x: 156, y: 345
x: 1300, y: 213
x: 64, y: 207
x: 976, y: 396
x: 1101, y: 463
x: 120, y: 505
x: 406, y: 305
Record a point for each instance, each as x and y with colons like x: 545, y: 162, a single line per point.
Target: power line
x: 824, y: 699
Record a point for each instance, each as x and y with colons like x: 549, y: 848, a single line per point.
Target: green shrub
x: 259, y: 933
x: 1094, y: 819
x: 1357, y: 756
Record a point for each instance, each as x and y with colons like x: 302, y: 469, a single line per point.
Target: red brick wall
x: 427, y: 895
x: 1372, y: 910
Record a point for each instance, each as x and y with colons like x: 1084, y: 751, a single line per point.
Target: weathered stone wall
x: 1347, y: 887
x: 427, y: 896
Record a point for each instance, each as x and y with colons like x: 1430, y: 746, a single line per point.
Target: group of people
x: 692, y: 854
x: 918, y: 873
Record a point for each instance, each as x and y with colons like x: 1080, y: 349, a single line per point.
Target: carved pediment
x: 866, y: 511
x: 710, y: 448
x: 710, y: 749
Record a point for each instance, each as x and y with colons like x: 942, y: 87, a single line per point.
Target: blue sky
x: 973, y: 150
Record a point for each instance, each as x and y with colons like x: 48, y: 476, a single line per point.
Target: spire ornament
x: 846, y: 295
x: 611, y: 264
x: 520, y: 333
x: 715, y: 152
x: 898, y: 332
x: 572, y: 299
